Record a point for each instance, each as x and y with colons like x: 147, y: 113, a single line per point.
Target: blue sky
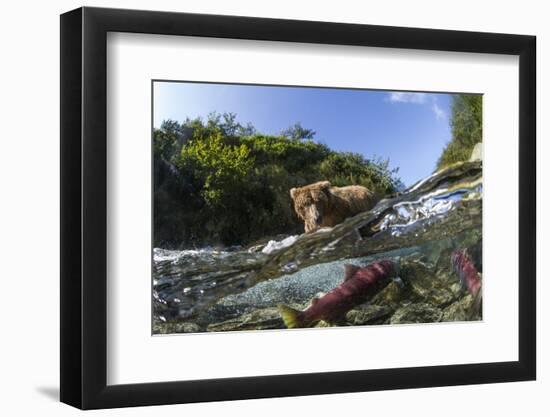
x: 411, y: 129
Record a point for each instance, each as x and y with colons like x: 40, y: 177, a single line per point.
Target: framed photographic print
x: 242, y: 198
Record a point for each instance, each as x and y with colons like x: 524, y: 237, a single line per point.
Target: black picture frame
x: 84, y: 207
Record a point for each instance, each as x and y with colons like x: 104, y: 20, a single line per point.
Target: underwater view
x: 372, y: 215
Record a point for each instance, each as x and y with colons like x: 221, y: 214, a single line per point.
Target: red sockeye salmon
x: 469, y: 276
x: 359, y: 284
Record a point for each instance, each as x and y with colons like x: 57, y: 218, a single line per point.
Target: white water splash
x: 160, y: 254
x: 274, y: 245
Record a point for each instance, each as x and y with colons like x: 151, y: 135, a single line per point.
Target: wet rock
x: 175, y: 327
x: 441, y: 296
x: 457, y: 289
x: 263, y: 319
x: 461, y: 310
x: 477, y: 152
x: 444, y: 260
x: 391, y: 294
x: 471, y: 240
x: 416, y: 313
x: 369, y: 314
x: 418, y: 276
x: 220, y: 312
x: 426, y: 284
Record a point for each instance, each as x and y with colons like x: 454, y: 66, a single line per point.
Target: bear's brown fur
x: 321, y: 205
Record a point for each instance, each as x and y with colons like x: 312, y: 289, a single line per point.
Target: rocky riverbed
x: 428, y: 291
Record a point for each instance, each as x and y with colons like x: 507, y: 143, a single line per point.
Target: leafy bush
x: 345, y: 168
x: 221, y: 167
x: 466, y: 129
x: 218, y: 182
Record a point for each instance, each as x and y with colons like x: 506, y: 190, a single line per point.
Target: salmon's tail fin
x: 293, y: 318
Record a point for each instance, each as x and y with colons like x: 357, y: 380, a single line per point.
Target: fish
x: 359, y: 284
x: 466, y: 271
x: 469, y: 276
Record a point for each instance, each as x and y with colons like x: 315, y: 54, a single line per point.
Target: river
x: 205, y: 289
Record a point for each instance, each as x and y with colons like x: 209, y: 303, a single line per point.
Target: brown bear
x: 321, y: 205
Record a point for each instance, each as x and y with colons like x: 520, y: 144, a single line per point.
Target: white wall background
x: 29, y: 225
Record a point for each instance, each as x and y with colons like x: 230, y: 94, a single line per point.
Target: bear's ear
x: 292, y: 193
x: 324, y: 184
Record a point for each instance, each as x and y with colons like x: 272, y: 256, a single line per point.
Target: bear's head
x: 311, y: 203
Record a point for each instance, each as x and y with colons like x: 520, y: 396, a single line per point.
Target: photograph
x: 270, y: 209
x: 292, y: 207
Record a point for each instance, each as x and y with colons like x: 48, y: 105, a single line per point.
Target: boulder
x: 477, y: 152
x: 263, y: 319
x: 416, y: 313
x: 460, y: 310
x: 368, y: 314
x: 160, y: 327
x: 426, y: 284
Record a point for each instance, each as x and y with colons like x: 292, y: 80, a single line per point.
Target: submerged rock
x: 369, y: 314
x: 160, y: 327
x: 267, y: 318
x: 394, y: 292
x: 427, y: 285
x: 461, y: 310
x: 416, y: 313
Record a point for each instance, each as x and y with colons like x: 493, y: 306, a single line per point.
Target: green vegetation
x: 466, y: 128
x: 219, y: 182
